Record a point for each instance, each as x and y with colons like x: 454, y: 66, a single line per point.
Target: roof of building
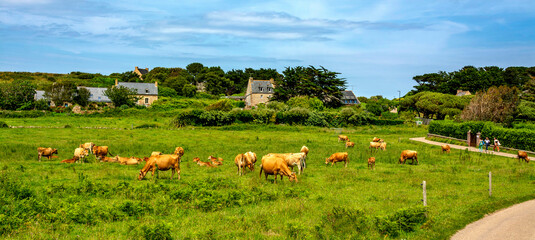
x: 143, y: 71
x: 39, y: 94
x: 462, y: 93
x: 97, y: 94
x: 262, y: 86
x: 348, y: 95
x: 141, y: 88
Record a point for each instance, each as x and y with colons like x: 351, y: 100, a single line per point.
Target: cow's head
x: 179, y: 151
x: 293, y: 177
x: 54, y: 151
x: 141, y: 174
x: 196, y: 159
x: 401, y: 160
x: 327, y: 160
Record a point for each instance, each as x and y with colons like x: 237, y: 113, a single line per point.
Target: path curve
x: 515, y: 223
x: 471, y: 149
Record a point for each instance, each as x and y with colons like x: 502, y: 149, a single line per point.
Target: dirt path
x: 472, y: 149
x: 516, y: 223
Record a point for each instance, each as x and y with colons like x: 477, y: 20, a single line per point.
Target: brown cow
x: 108, y: 159
x: 383, y: 146
x: 343, y: 138
x: 88, y: 146
x: 273, y: 165
x: 291, y: 159
x: 179, y: 151
x: 523, y: 155
x: 337, y: 157
x: 47, y: 152
x: 72, y: 160
x: 350, y: 144
x: 251, y: 156
x: 128, y: 161
x: 201, y: 163
x: 100, y: 151
x: 304, y: 150
x: 375, y: 145
x: 376, y: 139
x: 445, y: 148
x: 162, y: 163
x: 371, y: 163
x: 408, y: 154
x: 242, y: 162
x: 215, y: 161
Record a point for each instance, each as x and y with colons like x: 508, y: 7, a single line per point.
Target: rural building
x: 146, y: 92
x: 349, y: 98
x: 461, y: 93
x: 258, y: 91
x: 97, y: 94
x: 141, y: 72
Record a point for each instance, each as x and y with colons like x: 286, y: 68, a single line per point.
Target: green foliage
x: 121, y: 95
x: 310, y: 81
x: 437, y: 105
x: 526, y: 110
x: 166, y: 103
x: 189, y: 90
x: 403, y: 220
x: 18, y: 95
x: 342, y: 219
x: 3, y: 125
x: 221, y: 105
x: 82, y: 96
x: 311, y: 103
x: 277, y: 106
x: 61, y: 92
x: 160, y: 231
x: 166, y: 92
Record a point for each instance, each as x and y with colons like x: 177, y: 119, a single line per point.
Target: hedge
x: 294, y: 116
x: 512, y: 138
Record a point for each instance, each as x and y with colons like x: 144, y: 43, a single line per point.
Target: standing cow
x: 408, y: 154
x: 47, y: 152
x: 337, y: 157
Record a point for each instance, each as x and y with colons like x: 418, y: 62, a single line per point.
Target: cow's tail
x: 260, y: 175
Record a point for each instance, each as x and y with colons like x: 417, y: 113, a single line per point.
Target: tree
x: 312, y: 82
x: 82, y: 96
x: 166, y: 92
x: 121, y: 95
x: 18, y: 95
x: 189, y: 90
x: 497, y: 104
x: 195, y: 69
x: 217, y: 84
x: 61, y: 92
x: 434, y: 105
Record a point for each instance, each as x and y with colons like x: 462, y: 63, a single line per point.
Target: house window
x: 261, y: 96
x: 269, y: 89
x: 147, y: 90
x: 99, y: 98
x: 146, y: 100
x: 260, y: 89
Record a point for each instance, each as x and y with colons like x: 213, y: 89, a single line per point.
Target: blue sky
x: 378, y: 46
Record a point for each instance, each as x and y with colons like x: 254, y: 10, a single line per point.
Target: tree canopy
x: 435, y: 105
x: 121, y: 95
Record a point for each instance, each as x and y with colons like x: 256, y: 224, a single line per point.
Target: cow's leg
x: 178, y: 172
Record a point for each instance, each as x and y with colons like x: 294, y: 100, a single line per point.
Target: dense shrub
x: 157, y: 232
x: 221, y: 105
x: 22, y: 114
x: 455, y: 130
x: 3, y: 125
x: 296, y: 115
x: 341, y: 219
x: 403, y: 220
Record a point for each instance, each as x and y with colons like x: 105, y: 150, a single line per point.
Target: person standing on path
x: 481, y: 142
x: 496, y: 145
x: 487, y: 144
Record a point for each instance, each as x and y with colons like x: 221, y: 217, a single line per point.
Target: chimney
x: 137, y: 69
x: 272, y: 82
x: 147, y: 69
x: 156, y: 84
x: 116, y: 81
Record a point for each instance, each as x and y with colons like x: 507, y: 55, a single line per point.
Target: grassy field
x: 96, y: 200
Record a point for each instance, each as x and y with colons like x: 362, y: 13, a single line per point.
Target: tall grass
x: 104, y: 200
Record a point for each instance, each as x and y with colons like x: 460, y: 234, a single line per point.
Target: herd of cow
x: 271, y: 164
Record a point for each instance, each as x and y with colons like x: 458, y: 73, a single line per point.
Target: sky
x: 377, y: 46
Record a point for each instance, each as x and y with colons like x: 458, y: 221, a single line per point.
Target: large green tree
x: 121, y: 95
x: 312, y: 82
x: 17, y: 95
x: 435, y: 105
x: 82, y: 96
x: 61, y: 92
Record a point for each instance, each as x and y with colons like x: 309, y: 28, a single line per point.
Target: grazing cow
x: 80, y: 154
x: 88, y: 146
x: 179, y: 151
x: 156, y: 153
x: 162, y: 163
x: 337, y: 157
x: 242, y: 162
x: 100, y: 151
x: 383, y: 146
x: 291, y: 159
x: 72, y: 160
x: 375, y: 145
x: 343, y: 138
x: 523, y: 155
x: 350, y: 144
x: 201, y: 163
x: 376, y: 139
x: 371, y: 163
x: 408, y: 154
x: 273, y: 165
x: 47, y: 152
x: 215, y: 161
x: 445, y: 148
x: 251, y: 156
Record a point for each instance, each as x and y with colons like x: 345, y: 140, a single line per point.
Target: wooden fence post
x: 490, y: 184
x: 424, y: 193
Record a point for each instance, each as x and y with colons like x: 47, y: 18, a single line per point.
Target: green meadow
x: 94, y: 200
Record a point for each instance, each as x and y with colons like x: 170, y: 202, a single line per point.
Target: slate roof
x: 141, y: 88
x: 97, y: 94
x: 349, y: 95
x: 143, y: 71
x: 262, y: 86
x: 39, y: 94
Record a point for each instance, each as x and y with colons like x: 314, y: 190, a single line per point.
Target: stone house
x: 146, y: 92
x: 141, y: 72
x: 258, y: 91
x: 349, y: 98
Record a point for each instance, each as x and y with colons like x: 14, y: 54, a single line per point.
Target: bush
x: 3, y: 125
x: 157, y: 232
x: 41, y: 104
x: 296, y: 115
x: 221, y: 105
x: 306, y: 102
x: 341, y: 219
x: 277, y: 106
x: 403, y: 220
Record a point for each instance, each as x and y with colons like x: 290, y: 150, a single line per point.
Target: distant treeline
x: 474, y: 79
